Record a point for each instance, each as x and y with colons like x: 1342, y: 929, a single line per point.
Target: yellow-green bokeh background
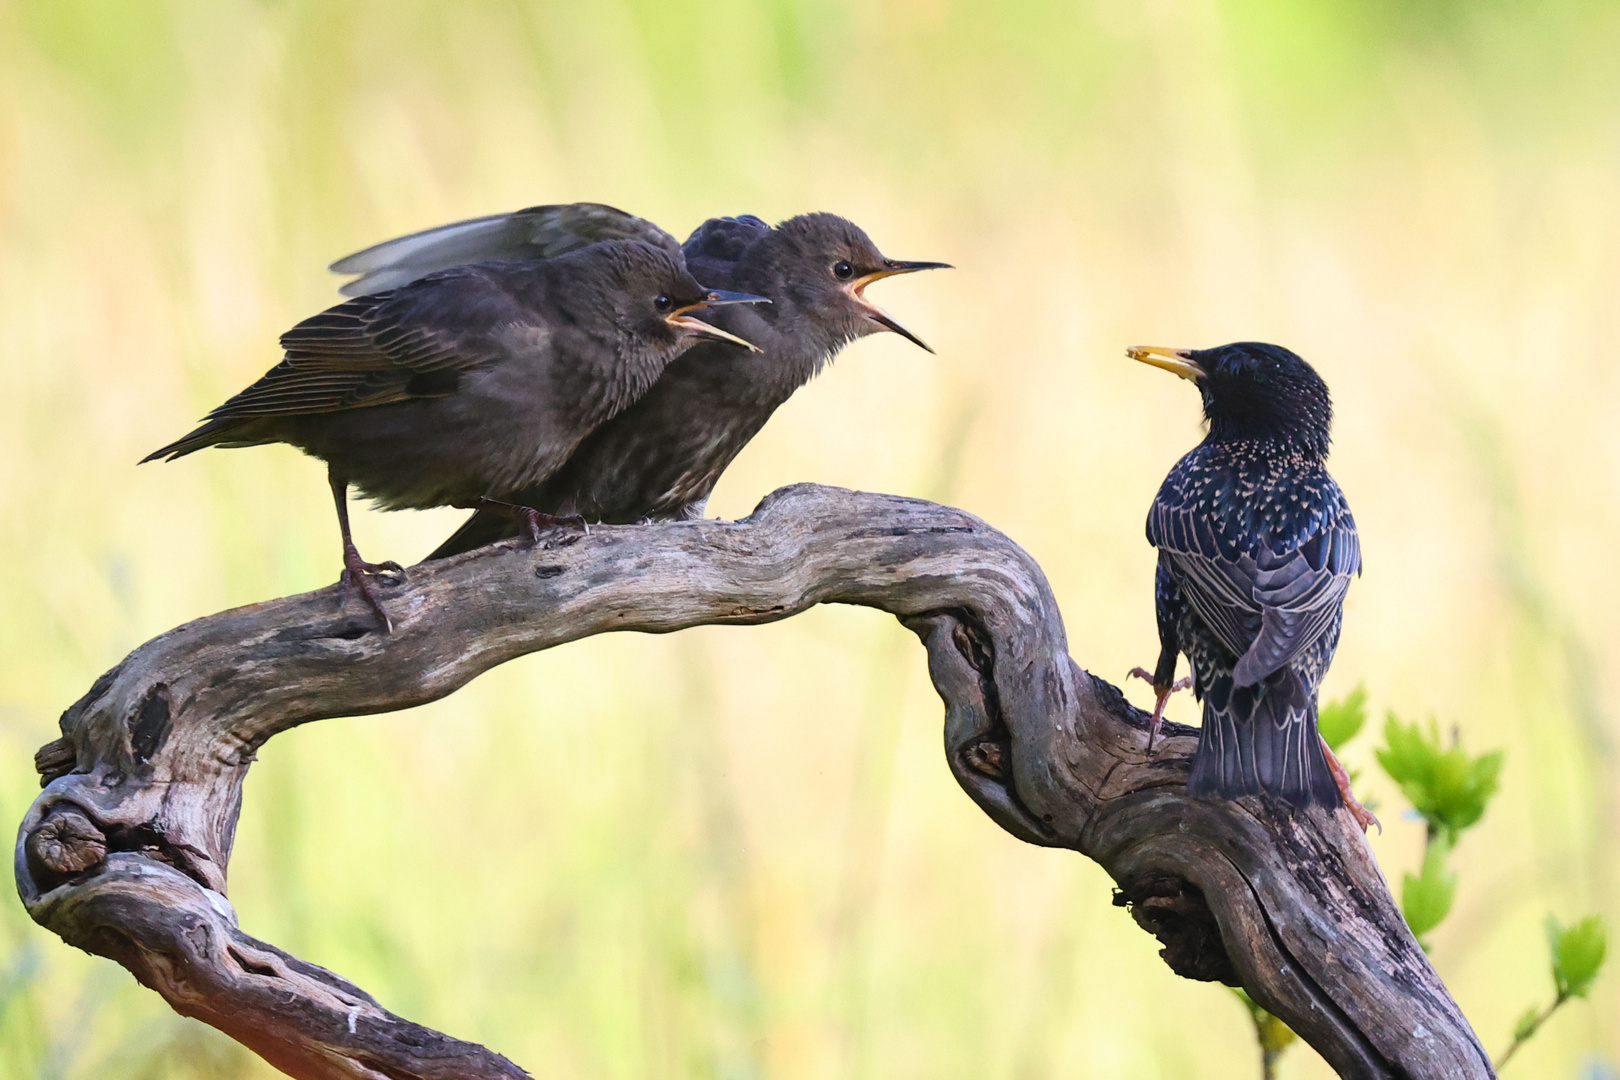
x: 737, y: 852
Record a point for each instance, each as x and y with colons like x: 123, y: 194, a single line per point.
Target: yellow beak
x: 1175, y: 361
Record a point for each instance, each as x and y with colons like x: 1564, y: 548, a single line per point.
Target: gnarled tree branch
x: 125, y: 852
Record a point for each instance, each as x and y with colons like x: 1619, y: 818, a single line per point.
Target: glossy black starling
x: 1256, y: 551
x: 469, y: 382
x: 661, y: 457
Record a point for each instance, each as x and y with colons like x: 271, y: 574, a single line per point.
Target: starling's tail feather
x: 1262, y: 739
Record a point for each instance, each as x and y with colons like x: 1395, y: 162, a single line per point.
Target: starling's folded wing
x: 538, y: 232
x: 383, y: 348
x: 1211, y: 575
x: 1265, y: 607
x: 1300, y: 593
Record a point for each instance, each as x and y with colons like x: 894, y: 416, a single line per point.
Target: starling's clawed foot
x: 1364, y: 817
x: 534, y: 520
x: 1162, y: 695
x: 364, y: 578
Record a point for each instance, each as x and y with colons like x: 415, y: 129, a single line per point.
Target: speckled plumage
x: 1256, y: 550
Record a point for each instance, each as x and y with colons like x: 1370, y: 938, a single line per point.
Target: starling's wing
x: 388, y: 347
x: 539, y: 232
x: 1300, y: 593
x: 409, y: 343
x: 1265, y: 607
x: 715, y: 247
x: 1209, y: 572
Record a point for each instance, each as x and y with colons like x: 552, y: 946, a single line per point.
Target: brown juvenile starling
x: 661, y: 457
x: 471, y: 382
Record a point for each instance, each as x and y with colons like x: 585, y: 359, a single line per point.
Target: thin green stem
x: 1271, y: 1033
x: 1523, y: 1035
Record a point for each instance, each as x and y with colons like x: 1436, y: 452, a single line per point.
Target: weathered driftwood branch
x: 124, y: 854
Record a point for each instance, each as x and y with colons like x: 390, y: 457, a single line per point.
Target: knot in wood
x: 1174, y: 911
x: 55, y: 759
x: 67, y: 843
x: 989, y: 758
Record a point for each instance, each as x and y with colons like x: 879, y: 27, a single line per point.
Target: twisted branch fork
x: 124, y: 854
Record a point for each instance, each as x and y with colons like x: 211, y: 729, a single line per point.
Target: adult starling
x: 469, y: 382
x: 661, y: 457
x: 1256, y: 551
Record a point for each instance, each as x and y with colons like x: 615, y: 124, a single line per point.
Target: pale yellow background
x: 737, y: 853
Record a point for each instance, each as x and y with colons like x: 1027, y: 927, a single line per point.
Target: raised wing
x: 538, y: 232
x: 1266, y: 607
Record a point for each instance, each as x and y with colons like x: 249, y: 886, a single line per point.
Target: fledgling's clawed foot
x: 364, y: 577
x: 1161, y: 695
x: 537, y: 522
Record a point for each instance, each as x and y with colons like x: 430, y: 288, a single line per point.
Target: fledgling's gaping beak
x: 715, y: 298
x: 890, y: 268
x: 1175, y: 361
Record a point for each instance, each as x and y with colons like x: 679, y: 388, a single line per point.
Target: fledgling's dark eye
x: 663, y: 303
x: 843, y: 271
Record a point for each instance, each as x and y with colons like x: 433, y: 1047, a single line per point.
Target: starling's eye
x: 662, y: 302
x: 843, y: 271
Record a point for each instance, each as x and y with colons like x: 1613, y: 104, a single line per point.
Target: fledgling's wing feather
x: 382, y: 348
x: 537, y: 232
x: 408, y: 343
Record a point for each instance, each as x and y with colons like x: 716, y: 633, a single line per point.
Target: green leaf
x: 1527, y: 1024
x: 1340, y: 721
x: 1577, y: 954
x: 1274, y: 1035
x: 1448, y: 787
x: 1426, y: 898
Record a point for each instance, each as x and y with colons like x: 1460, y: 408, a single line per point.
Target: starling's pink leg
x: 1364, y: 817
x: 1162, y: 695
x: 357, y: 573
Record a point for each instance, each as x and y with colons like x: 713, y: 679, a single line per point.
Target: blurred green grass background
x: 736, y: 852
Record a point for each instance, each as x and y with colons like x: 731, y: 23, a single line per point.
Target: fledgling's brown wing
x: 538, y: 232
x: 414, y: 342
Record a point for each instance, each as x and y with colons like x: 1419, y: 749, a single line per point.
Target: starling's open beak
x: 716, y: 297
x: 891, y: 267
x: 1176, y: 361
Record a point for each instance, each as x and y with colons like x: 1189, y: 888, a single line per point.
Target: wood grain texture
x: 125, y: 851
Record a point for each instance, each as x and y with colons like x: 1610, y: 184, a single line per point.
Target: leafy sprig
x: 1447, y: 786
x: 1577, y: 956
x: 1450, y: 789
